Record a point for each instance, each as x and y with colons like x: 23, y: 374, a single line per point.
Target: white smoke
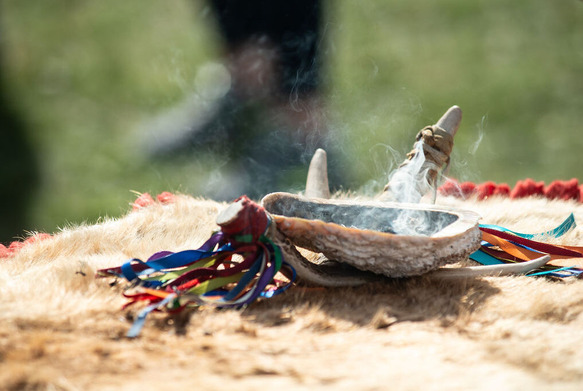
x: 474, y: 147
x: 408, y: 184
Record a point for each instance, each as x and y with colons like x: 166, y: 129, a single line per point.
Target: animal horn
x: 450, y: 121
x: 410, y: 182
x: 491, y: 270
x: 317, y: 182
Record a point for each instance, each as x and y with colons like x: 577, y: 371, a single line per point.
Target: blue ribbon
x: 134, y: 331
x: 484, y: 258
x: 559, y: 231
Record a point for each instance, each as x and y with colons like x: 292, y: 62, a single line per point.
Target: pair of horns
x: 317, y: 187
x: 317, y: 182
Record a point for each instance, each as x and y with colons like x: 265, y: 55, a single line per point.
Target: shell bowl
x: 392, y: 239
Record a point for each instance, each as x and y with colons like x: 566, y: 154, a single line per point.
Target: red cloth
x: 251, y: 220
x: 527, y: 188
x: 564, y: 190
x: 486, y: 189
x: 145, y: 199
x: 15, y: 246
x: 166, y: 198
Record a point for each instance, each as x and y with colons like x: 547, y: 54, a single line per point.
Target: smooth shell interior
x: 386, y: 219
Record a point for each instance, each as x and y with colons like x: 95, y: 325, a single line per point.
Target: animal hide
x: 63, y: 329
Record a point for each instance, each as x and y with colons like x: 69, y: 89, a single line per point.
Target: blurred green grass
x: 87, y: 77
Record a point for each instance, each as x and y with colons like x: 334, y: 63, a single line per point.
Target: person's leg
x: 273, y: 51
x: 273, y: 118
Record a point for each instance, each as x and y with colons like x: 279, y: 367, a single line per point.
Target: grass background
x: 89, y: 76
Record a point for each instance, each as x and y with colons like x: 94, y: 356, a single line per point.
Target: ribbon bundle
x: 501, y: 245
x: 234, y: 267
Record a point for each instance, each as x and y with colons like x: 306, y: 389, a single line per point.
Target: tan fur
x: 60, y: 328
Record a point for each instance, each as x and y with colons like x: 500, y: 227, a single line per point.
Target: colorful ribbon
x: 234, y: 267
x: 501, y: 245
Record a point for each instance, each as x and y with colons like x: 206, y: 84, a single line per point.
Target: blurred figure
x: 271, y: 120
x: 18, y: 167
x: 272, y: 53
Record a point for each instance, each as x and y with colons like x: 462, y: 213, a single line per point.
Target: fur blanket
x: 63, y: 329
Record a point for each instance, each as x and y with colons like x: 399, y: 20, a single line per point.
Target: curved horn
x: 450, y: 121
x: 406, y: 184
x: 491, y: 270
x: 317, y: 182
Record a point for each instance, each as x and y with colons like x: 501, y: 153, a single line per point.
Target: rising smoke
x: 409, y: 183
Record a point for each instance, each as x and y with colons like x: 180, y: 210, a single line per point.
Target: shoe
x: 211, y: 130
